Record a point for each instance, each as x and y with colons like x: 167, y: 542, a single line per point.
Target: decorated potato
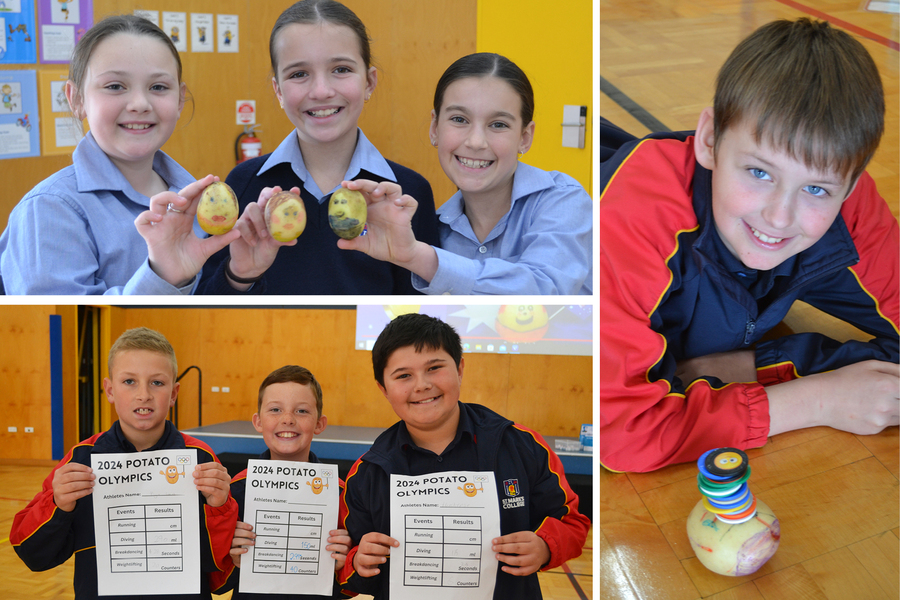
x: 347, y: 213
x: 285, y: 216
x: 218, y: 209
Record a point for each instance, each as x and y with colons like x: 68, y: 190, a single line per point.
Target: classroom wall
x: 413, y: 42
x: 237, y: 348
x: 552, y: 43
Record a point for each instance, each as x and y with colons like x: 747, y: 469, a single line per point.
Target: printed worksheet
x: 292, y: 506
x: 146, y: 523
x: 445, y: 523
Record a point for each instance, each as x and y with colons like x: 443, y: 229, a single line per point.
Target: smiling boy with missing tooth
x: 708, y: 237
x: 59, y: 521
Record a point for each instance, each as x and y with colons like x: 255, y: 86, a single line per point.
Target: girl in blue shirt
x: 511, y: 228
x: 83, y: 229
x: 323, y: 77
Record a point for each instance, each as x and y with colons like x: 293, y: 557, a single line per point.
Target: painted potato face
x: 347, y: 213
x: 316, y: 485
x: 285, y: 216
x: 218, y: 209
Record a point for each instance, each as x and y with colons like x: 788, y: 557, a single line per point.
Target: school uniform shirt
x: 315, y: 265
x: 74, y: 233
x: 673, y: 291
x: 229, y: 579
x: 540, y: 501
x: 542, y: 245
x: 44, y: 536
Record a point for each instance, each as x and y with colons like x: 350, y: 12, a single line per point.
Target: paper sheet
x: 445, y: 523
x: 146, y: 523
x: 292, y: 506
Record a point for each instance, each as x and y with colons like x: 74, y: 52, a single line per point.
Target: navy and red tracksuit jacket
x: 666, y: 296
x: 44, y: 536
x: 542, y: 500
x: 230, y: 578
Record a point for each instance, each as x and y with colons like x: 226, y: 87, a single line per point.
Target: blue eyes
x: 816, y: 190
x: 813, y: 190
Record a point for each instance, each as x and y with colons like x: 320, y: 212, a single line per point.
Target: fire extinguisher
x: 247, y: 145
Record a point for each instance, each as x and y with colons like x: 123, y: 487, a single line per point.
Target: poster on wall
x: 17, y: 44
x: 227, y: 29
x: 202, y: 34
x: 61, y: 131
x: 19, y: 114
x: 175, y: 26
x: 63, y: 22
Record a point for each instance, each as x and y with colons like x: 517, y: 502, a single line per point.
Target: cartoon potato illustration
x: 171, y: 474
x: 316, y: 485
x: 470, y: 490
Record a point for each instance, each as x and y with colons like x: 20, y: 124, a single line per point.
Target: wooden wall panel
x: 241, y: 346
x: 413, y: 42
x: 25, y: 380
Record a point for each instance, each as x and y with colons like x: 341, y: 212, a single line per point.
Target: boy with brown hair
x: 766, y: 203
x: 59, y: 521
x: 418, y: 365
x: 288, y: 415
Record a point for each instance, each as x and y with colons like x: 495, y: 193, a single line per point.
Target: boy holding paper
x: 59, y: 521
x: 418, y: 365
x: 289, y: 414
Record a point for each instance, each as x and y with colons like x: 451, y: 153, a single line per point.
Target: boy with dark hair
x: 418, y: 366
x: 59, y: 521
x: 766, y: 203
x: 288, y: 415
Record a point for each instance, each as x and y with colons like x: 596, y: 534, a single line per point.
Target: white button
x: 482, y: 249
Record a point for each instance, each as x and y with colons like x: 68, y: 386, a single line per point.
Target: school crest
x: 513, y: 499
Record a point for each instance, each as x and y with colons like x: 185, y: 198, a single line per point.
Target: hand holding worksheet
x: 445, y: 523
x: 147, y: 523
x: 292, y: 506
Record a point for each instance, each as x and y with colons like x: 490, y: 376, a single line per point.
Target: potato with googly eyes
x: 218, y: 209
x: 347, y: 213
x: 285, y: 216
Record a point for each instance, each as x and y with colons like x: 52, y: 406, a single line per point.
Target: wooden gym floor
x: 572, y: 581
x: 835, y: 493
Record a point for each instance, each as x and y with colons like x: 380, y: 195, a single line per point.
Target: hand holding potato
x: 389, y: 234
x: 255, y: 250
x: 176, y: 253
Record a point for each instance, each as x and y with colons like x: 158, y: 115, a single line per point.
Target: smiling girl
x: 511, y: 228
x: 75, y: 232
x: 322, y: 77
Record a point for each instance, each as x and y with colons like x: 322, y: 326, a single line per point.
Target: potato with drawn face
x: 347, y: 213
x: 285, y: 216
x: 218, y: 209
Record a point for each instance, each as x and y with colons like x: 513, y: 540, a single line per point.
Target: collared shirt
x: 74, y: 233
x: 541, y: 246
x: 459, y: 455
x: 365, y: 157
x: 315, y: 264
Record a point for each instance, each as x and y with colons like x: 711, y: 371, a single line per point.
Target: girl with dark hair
x: 511, y: 228
x: 322, y: 77
x: 80, y: 230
